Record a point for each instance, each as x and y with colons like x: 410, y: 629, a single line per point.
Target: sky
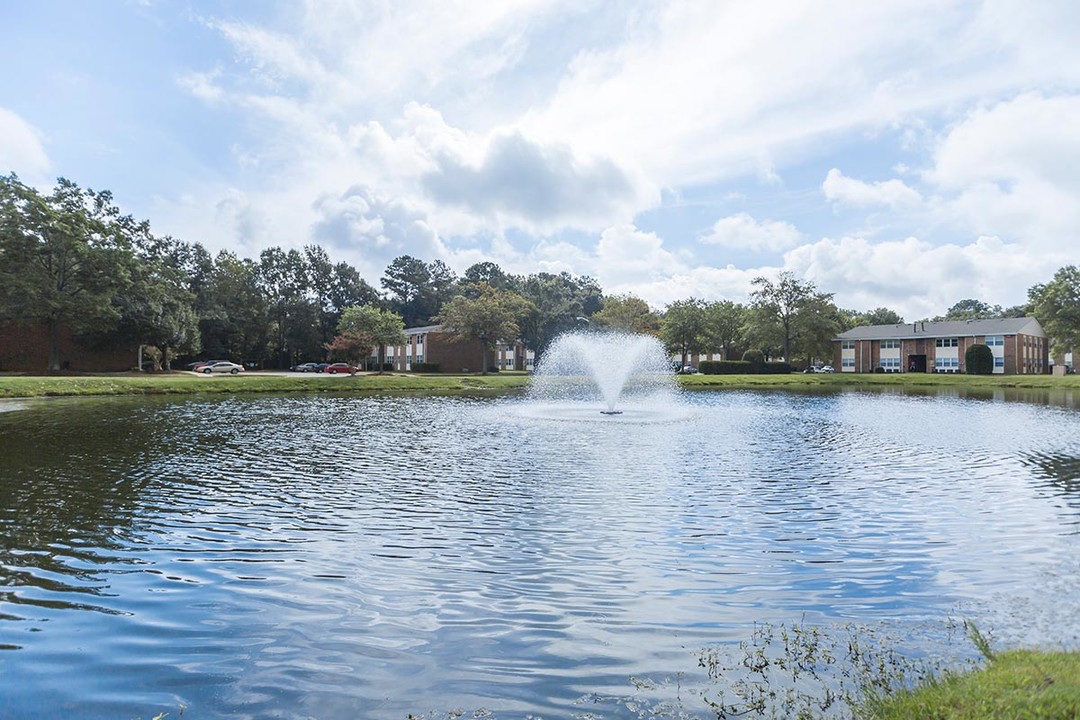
x: 906, y: 154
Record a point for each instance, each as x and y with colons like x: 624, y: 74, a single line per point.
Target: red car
x: 336, y: 368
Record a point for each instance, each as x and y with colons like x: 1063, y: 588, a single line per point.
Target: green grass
x: 17, y: 386
x: 188, y: 383
x: 1019, y: 684
x: 796, y: 381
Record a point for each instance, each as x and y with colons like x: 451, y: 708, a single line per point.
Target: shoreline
x: 185, y: 383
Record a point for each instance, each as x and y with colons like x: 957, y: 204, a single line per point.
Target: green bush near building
x: 979, y: 360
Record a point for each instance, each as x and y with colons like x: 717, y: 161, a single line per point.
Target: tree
x: 877, y: 316
x: 725, y: 327
x: 487, y: 273
x: 1056, y: 305
x: 817, y: 322
x: 979, y: 360
x: 491, y: 317
x: 64, y: 258
x: 682, y: 327
x: 777, y: 305
x: 971, y: 309
x: 560, y: 302
x: 367, y: 326
x: 627, y: 313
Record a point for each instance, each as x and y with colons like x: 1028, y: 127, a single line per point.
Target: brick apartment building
x: 24, y: 347
x: 1019, y: 346
x: 429, y: 344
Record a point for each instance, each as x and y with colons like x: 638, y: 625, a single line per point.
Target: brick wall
x: 25, y: 348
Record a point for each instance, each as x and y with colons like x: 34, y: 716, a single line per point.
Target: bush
x: 754, y: 357
x: 425, y: 367
x: 879, y: 369
x: 979, y: 360
x: 725, y: 367
x: 774, y: 368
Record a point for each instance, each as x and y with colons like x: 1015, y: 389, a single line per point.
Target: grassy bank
x: 186, y: 383
x: 1019, y: 684
x: 181, y: 383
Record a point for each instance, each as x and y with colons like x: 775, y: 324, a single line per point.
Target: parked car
x: 810, y: 369
x: 221, y: 367
x: 194, y: 366
x: 335, y: 368
x: 305, y: 367
x: 688, y: 370
x: 826, y: 369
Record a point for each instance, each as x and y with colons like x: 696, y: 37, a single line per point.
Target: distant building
x: 1019, y: 346
x: 24, y: 347
x: 432, y: 346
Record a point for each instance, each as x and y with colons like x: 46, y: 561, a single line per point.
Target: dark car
x: 336, y: 368
x: 305, y: 367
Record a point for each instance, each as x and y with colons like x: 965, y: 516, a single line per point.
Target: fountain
x: 623, y: 373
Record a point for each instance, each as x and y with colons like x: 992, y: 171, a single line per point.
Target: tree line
x: 71, y: 259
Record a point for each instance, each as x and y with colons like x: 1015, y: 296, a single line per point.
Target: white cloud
x: 528, y: 184
x: 915, y: 278
x: 22, y: 149
x: 1011, y: 169
x: 849, y: 191
x: 741, y: 231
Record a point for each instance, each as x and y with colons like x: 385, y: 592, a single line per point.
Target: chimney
x: 914, y: 327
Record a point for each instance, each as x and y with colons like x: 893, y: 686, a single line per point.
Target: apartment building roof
x: 423, y: 329
x: 949, y: 328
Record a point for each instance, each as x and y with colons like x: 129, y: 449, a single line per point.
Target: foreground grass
x: 1019, y: 684
x: 187, y: 383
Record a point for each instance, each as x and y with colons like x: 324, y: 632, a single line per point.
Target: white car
x: 222, y: 367
x: 826, y: 369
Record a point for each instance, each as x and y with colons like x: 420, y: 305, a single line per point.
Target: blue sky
x: 907, y: 154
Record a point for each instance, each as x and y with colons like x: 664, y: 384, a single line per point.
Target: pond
x: 348, y: 557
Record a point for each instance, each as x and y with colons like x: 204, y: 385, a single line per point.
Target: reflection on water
x: 342, y: 557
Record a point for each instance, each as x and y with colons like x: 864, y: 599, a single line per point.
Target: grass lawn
x: 19, y: 386
x: 1019, y: 685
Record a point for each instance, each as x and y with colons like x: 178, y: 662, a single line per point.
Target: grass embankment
x: 187, y: 383
x: 182, y: 383
x: 1019, y: 684
x: 798, y: 381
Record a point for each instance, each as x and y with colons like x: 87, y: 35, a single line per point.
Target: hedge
x: 743, y: 367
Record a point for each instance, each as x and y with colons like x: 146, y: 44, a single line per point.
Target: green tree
x: 488, y: 273
x: 628, y: 313
x: 971, y: 309
x: 560, y: 302
x: 877, y: 316
x: 64, y: 258
x: 817, y: 322
x: 418, y: 290
x: 777, y: 305
x: 491, y: 317
x: 979, y: 360
x: 725, y: 327
x: 1056, y: 305
x: 364, y: 327
x: 682, y: 329
x: 234, y: 319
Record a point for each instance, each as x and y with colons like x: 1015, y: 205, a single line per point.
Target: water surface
x: 342, y: 557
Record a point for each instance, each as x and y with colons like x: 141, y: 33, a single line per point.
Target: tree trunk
x: 380, y: 357
x: 484, y: 358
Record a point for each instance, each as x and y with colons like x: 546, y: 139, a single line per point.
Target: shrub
x: 754, y: 357
x: 879, y: 369
x: 425, y: 367
x: 725, y: 367
x: 775, y: 368
x: 979, y: 360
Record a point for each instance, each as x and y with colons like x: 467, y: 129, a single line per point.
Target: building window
x: 995, y: 340
x: 847, y: 363
x: 890, y: 364
x: 419, y: 339
x: 847, y: 344
x: 510, y: 363
x: 999, y: 361
x: 946, y: 342
x: 890, y: 344
x: 946, y: 364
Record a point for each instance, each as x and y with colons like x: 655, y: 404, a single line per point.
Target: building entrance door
x: 916, y: 363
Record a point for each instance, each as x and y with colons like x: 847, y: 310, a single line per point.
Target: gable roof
x: 424, y: 329
x: 949, y: 328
